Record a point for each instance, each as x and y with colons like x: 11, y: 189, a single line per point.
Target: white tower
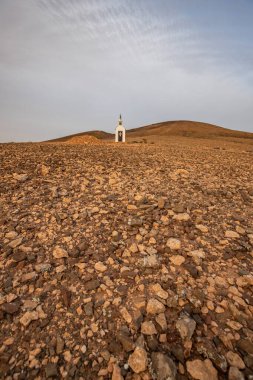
x: 120, y: 132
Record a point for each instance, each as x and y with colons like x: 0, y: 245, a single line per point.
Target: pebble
x: 138, y: 360
x: 173, y: 244
x: 155, y: 307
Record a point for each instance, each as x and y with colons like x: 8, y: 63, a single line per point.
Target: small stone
x: 159, y: 291
x: 202, y: 369
x: 116, y: 374
x: 151, y: 261
x: 202, y: 228
x: 235, y: 360
x: 164, y: 366
x: 51, y: 370
x: 100, y: 267
x: 91, y: 285
x: 161, y: 320
x: 43, y: 170
x: 182, y: 217
x: 11, y: 308
x: 131, y: 207
x: 59, y: 252
x: 29, y: 277
x: 66, y: 296
x: 161, y: 203
x: 235, y: 374
x: 177, y: 260
x: 67, y: 356
x: 15, y: 243
x: 186, y: 327
x: 138, y: 360
x: 126, y: 342
x: 173, y: 244
x: 20, y: 177
x: 155, y: 307
x: 8, y: 341
x: 231, y: 234
x: 148, y: 328
x: 125, y: 314
x: 28, y: 317
x: 19, y: 256
x: 59, y: 345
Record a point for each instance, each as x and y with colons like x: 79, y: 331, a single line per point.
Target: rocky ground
x: 126, y: 262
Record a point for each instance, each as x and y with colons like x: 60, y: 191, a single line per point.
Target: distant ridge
x: 180, y: 128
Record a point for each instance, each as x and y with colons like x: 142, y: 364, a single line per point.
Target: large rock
x: 201, y: 369
x: 138, y: 361
x: 164, y: 367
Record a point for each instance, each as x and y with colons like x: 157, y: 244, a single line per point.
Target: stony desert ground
x: 126, y: 261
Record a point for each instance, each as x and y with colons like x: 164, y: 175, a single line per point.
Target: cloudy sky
x: 68, y: 66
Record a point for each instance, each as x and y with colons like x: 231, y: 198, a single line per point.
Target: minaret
x: 120, y: 133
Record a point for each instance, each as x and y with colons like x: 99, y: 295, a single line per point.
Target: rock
x: 138, y: 360
x: 66, y: 296
x: 59, y: 252
x: 161, y: 320
x: 182, y: 217
x: 202, y: 228
x: 15, y: 243
x: 201, y: 369
x: 231, y: 234
x: 151, y: 261
x: 116, y: 374
x: 125, y: 314
x: 43, y: 170
x: 155, y: 307
x: 51, y: 370
x: 173, y: 244
x: 92, y: 285
x: 177, y: 260
x: 186, y: 327
x: 235, y: 374
x: 159, y: 291
x: 131, y: 207
x: 19, y: 256
x: 235, y: 360
x: 245, y: 345
x: 20, y: 177
x: 28, y: 317
x: 59, y: 345
x: 244, y: 281
x: 29, y: 277
x: 100, y: 267
x: 126, y: 341
x: 11, y: 308
x: 164, y: 367
x: 161, y: 203
x: 148, y: 328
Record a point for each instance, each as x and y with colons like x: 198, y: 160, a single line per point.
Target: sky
x: 68, y: 66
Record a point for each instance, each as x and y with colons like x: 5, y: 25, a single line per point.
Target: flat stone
x: 19, y: 256
x: 202, y: 369
x: 164, y: 366
x: 126, y: 341
x: 159, y: 291
x: 11, y: 308
x: 138, y: 360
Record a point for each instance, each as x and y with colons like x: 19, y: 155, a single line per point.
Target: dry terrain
x: 127, y: 261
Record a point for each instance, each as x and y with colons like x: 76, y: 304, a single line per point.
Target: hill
x: 180, y: 128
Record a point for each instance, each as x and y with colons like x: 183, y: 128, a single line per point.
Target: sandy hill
x: 168, y: 129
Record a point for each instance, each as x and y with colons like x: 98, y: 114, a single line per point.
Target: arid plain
x: 128, y: 261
